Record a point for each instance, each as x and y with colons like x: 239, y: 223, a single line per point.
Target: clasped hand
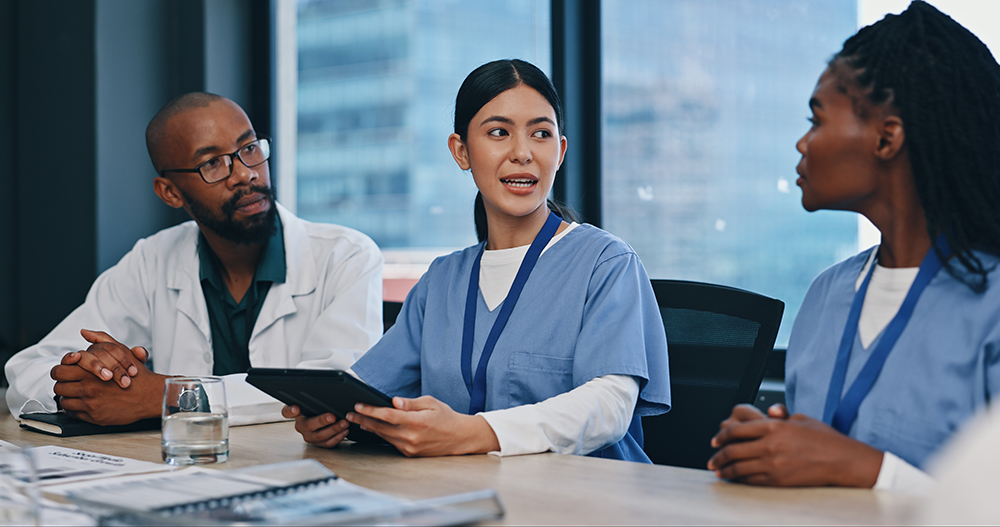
x: 423, y: 426
x: 108, y: 383
x: 790, y: 451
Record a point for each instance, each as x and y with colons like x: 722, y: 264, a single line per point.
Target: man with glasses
x: 246, y: 283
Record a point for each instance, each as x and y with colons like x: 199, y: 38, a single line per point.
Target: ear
x: 459, y: 151
x: 167, y: 192
x: 562, y: 150
x: 891, y: 138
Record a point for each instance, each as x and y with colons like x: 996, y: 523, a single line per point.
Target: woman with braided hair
x: 894, y: 348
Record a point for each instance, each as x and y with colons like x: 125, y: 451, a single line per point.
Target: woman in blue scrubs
x: 544, y: 337
x: 893, y: 349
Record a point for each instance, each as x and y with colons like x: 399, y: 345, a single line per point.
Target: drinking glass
x: 18, y: 494
x: 195, y: 421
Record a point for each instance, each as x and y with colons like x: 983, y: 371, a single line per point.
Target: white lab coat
x: 326, y: 314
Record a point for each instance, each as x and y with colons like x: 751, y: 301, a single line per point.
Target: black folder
x: 60, y: 424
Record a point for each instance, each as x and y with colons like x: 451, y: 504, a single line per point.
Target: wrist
x: 482, y: 438
x: 862, y: 469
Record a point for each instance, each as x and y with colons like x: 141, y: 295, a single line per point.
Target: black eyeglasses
x: 220, y: 167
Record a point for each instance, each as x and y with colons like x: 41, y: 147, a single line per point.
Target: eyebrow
x: 210, y: 149
x: 499, y: 119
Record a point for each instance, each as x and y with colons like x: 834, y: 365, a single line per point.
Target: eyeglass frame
x: 232, y: 162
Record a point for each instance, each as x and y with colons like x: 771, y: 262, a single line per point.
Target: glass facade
x: 376, y: 91
x: 703, y: 102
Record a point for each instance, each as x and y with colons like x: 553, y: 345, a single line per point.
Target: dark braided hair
x: 944, y: 84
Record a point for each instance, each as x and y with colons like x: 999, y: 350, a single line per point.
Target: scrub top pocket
x: 535, y: 378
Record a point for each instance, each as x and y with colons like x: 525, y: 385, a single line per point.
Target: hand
x: 795, y: 451
x: 426, y: 426
x: 107, y: 358
x: 745, y: 412
x: 89, y: 398
x: 321, y: 430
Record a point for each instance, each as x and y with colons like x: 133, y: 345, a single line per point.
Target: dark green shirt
x: 232, y: 322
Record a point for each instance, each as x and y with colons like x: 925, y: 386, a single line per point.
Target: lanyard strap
x: 477, y: 388
x: 840, y: 413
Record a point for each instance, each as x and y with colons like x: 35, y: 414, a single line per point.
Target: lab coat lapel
x: 182, y: 279
x: 300, y: 279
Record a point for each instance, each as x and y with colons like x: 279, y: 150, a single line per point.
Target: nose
x: 520, y: 149
x: 242, y: 175
x: 800, y: 145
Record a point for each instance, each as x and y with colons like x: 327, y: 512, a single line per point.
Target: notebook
x: 293, y: 493
x: 60, y: 424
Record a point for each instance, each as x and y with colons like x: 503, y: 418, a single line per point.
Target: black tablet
x: 316, y: 392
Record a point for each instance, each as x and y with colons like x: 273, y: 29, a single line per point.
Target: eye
x: 212, y: 164
x: 813, y: 121
x: 250, y: 148
x: 542, y: 134
x: 497, y: 132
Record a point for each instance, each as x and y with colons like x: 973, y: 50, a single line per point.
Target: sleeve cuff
x: 897, y: 475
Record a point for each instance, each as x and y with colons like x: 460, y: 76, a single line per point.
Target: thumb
x: 94, y: 337
x: 140, y: 353
x: 777, y: 411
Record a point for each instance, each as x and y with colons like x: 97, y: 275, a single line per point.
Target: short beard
x: 255, y: 230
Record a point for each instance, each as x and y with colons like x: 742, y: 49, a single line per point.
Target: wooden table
x: 538, y: 489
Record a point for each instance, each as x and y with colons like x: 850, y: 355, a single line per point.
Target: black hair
x: 944, y: 84
x: 483, y: 85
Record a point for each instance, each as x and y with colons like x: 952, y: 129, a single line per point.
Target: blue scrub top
x: 943, y: 369
x: 587, y: 310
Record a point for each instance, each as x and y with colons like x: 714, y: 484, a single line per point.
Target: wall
x: 79, y: 80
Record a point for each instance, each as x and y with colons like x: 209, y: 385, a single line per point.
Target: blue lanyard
x: 841, y: 413
x: 477, y: 389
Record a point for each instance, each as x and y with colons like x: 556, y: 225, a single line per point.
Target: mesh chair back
x: 718, y: 339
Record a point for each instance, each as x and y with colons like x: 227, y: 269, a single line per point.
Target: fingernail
x: 350, y: 416
x: 132, y: 370
x: 126, y: 382
x: 328, y: 418
x: 105, y: 373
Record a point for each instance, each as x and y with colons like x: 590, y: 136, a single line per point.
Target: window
x: 376, y: 90
x: 703, y: 101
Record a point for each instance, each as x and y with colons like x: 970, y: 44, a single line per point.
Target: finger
x: 742, y: 413
x: 741, y: 432
x: 372, y: 424
x: 290, y: 411
x: 777, y: 411
x: 116, y: 359
x: 122, y: 356
x: 734, y: 453
x: 94, y: 337
x: 326, y: 435
x: 335, y: 440
x: 68, y: 373
x: 70, y: 358
x: 310, y: 426
x: 106, y: 369
x: 754, y: 471
x: 140, y: 353
x: 380, y: 413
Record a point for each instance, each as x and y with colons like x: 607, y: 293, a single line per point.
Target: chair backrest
x: 718, y: 339
x: 390, y: 310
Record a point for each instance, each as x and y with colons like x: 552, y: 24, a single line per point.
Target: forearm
x: 580, y: 421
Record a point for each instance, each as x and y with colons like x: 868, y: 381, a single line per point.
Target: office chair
x: 718, y: 339
x: 390, y: 310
